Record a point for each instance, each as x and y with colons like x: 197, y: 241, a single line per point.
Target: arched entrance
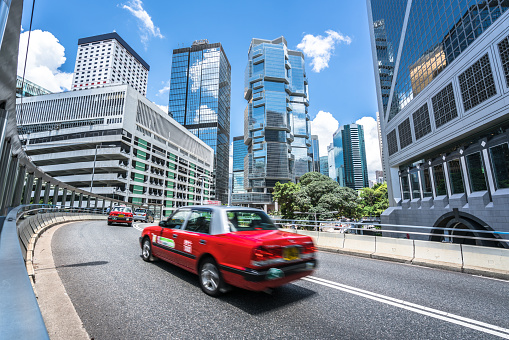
x: 457, y: 221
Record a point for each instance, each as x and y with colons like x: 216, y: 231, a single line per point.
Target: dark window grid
x: 444, y: 106
x: 477, y: 84
x: 503, y: 49
x: 392, y: 142
x: 405, y: 134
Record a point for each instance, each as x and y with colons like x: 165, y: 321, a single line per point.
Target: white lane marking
x: 434, y: 313
x: 491, y: 278
x: 137, y: 227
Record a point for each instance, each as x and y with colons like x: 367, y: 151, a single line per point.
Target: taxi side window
x: 199, y: 221
x: 177, y: 220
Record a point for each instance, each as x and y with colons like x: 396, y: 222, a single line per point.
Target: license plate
x: 121, y: 215
x: 291, y: 253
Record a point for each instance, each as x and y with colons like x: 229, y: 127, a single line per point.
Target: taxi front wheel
x: 146, y: 251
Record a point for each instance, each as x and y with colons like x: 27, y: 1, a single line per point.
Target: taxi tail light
x: 308, y: 248
x: 264, y: 253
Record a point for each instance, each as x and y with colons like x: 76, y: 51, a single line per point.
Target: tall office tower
x: 276, y: 122
x: 324, y: 165
x: 350, y: 156
x: 443, y: 113
x: 379, y: 175
x: 107, y: 59
x: 331, y: 161
x: 200, y: 100
x: 315, y: 152
x: 239, y: 153
x: 114, y: 142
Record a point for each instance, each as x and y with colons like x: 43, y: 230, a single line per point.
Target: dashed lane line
x: 434, y: 313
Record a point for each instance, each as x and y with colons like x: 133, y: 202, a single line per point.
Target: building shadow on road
x: 253, y: 303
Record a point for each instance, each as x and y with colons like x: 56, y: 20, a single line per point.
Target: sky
x: 333, y: 35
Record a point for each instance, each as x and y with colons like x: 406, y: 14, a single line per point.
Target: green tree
x: 374, y: 200
x: 284, y: 195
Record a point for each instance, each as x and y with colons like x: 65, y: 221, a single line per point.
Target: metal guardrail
x: 494, y: 238
x: 20, y: 317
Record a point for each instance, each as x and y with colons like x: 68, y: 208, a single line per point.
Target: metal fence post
x: 18, y: 188
x: 9, y: 185
x: 29, y: 187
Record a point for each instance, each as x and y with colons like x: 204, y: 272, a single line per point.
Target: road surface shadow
x: 250, y: 302
x: 84, y: 264
x: 255, y: 303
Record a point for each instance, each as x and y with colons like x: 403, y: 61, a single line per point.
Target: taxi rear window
x: 122, y: 209
x: 245, y: 220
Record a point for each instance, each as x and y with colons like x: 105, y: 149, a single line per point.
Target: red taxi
x: 120, y: 214
x: 230, y: 246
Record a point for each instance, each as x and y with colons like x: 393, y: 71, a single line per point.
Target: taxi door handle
x: 175, y: 235
x: 203, y: 242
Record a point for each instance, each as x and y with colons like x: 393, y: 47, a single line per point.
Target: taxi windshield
x: 245, y: 220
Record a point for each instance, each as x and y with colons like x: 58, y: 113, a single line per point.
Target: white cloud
x: 147, y: 27
x: 372, y: 145
x: 166, y: 88
x: 320, y: 48
x: 163, y: 107
x: 324, y: 125
x: 45, y: 56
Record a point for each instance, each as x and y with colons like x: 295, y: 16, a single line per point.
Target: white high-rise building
x: 107, y: 59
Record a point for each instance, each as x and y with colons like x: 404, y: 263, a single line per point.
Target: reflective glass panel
x: 500, y: 161
x: 426, y: 185
x: 414, y: 181
x: 405, y: 187
x: 476, y: 172
x: 456, y: 177
x: 438, y: 174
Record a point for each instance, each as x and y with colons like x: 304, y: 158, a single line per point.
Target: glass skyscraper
x: 239, y: 153
x: 276, y: 120
x: 442, y: 76
x: 200, y: 92
x: 315, y: 152
x: 350, y: 157
x: 324, y: 165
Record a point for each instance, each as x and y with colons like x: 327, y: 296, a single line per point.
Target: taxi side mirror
x: 162, y: 224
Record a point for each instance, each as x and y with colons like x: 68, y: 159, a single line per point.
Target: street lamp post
x: 93, y: 168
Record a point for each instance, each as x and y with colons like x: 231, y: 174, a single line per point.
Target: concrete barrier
x: 361, y: 245
x: 438, y: 255
x: 396, y: 249
x: 312, y: 234
x: 482, y: 260
x: 331, y: 241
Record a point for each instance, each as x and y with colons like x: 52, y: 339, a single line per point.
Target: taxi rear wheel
x: 210, y: 278
x: 109, y: 223
x: 146, y: 251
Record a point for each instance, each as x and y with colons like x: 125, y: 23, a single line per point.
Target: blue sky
x: 345, y: 88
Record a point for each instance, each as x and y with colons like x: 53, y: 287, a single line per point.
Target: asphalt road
x: 119, y: 296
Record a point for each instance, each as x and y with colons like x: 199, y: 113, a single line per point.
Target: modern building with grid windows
x: 324, y: 165
x: 200, y: 90
x: 239, y: 153
x: 315, y: 152
x: 276, y: 120
x: 114, y: 142
x: 107, y: 59
x: 350, y: 157
x: 442, y: 74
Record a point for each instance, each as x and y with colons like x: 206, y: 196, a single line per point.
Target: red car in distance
x: 233, y: 246
x: 121, y: 214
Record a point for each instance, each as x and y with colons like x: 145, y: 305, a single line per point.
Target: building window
x: 392, y: 142
x: 503, y: 49
x: 422, y: 125
x: 439, y: 176
x: 414, y: 182
x: 455, y: 177
x: 426, y: 185
x: 476, y: 173
x: 405, y: 134
x: 477, y: 84
x: 444, y: 106
x: 405, y: 187
x: 500, y: 161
